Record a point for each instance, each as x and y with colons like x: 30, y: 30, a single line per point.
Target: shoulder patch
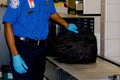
x: 14, y: 4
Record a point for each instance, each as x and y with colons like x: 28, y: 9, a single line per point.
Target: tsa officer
x: 26, y: 29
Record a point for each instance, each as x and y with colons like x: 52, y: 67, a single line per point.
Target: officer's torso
x: 32, y: 19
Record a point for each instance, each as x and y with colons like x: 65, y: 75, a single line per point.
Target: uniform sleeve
x: 53, y: 10
x: 12, y: 11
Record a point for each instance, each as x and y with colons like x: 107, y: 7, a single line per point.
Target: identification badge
x: 31, y: 3
x: 14, y: 4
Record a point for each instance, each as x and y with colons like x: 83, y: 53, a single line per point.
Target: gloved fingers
x: 75, y: 31
x: 24, y: 65
x: 19, y: 64
x: 74, y: 27
x: 20, y: 69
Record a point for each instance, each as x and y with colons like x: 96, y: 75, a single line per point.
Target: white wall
x: 110, y: 30
x: 92, y: 6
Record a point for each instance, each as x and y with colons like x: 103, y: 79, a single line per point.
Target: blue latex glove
x: 19, y: 64
x: 73, y: 28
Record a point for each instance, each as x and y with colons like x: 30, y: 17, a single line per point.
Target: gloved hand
x: 19, y: 64
x: 73, y: 28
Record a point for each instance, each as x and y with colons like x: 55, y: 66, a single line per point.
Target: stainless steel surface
x: 99, y: 70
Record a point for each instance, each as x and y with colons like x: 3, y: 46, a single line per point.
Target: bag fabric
x: 76, y: 48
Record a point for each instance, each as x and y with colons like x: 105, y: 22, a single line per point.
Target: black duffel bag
x: 76, y: 48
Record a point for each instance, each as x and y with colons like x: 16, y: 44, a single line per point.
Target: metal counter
x: 96, y: 71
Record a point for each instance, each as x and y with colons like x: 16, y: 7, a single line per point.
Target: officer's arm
x: 71, y: 27
x: 10, y: 38
x: 56, y: 17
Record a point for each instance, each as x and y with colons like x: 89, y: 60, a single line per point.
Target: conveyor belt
x: 99, y: 70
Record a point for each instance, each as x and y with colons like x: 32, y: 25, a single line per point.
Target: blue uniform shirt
x: 29, y: 20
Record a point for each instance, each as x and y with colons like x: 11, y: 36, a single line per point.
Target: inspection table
x: 95, y: 71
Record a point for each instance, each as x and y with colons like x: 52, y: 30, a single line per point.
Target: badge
x: 31, y: 3
x: 14, y: 4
